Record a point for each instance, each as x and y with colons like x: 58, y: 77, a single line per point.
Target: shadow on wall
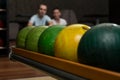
x: 69, y: 16
x: 13, y: 30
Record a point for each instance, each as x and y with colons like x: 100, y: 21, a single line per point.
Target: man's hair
x: 42, y: 4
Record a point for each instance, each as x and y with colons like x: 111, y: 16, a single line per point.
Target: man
x: 57, y: 18
x: 40, y: 18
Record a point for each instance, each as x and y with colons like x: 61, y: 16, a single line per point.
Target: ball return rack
x: 65, y: 69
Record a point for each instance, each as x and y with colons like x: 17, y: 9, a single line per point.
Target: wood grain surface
x: 83, y: 70
x: 16, y: 70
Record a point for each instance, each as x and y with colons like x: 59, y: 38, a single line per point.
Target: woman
x: 57, y: 18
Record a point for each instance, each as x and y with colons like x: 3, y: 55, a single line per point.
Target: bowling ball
x: 21, y: 36
x: 47, y: 39
x: 33, y: 38
x: 100, y: 46
x: 67, y: 41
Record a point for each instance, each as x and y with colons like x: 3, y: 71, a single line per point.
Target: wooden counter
x: 78, y: 69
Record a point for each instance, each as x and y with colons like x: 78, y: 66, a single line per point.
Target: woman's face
x: 56, y: 13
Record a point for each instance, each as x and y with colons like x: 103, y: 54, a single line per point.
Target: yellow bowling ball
x: 67, y: 41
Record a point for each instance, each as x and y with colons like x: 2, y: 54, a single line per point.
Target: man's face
x: 56, y: 13
x: 42, y: 10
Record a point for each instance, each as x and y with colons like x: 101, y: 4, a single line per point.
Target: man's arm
x: 30, y: 23
x: 50, y: 23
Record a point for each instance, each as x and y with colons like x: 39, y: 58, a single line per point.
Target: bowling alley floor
x: 13, y: 70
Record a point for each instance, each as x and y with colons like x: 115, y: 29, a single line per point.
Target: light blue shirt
x: 37, y: 21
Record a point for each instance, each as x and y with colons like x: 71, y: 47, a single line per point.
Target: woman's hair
x: 57, y: 9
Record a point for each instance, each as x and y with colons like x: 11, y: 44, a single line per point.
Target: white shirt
x: 62, y: 22
x: 37, y: 21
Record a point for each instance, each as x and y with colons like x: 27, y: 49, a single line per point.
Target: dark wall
x: 114, y: 11
x: 88, y: 7
x: 81, y: 8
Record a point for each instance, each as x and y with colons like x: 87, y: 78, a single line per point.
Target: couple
x: 41, y: 18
